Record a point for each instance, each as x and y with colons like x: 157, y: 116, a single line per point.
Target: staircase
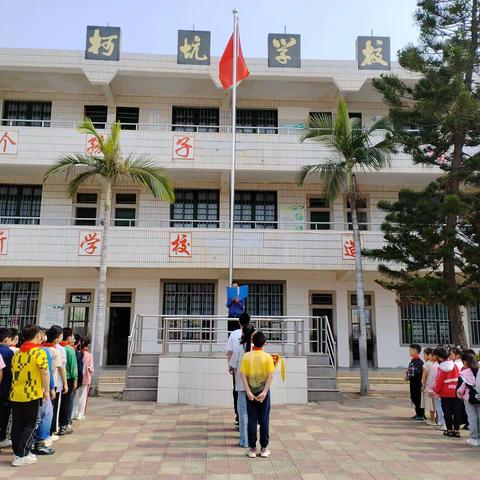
x: 321, y: 379
x: 111, y: 380
x: 142, y: 378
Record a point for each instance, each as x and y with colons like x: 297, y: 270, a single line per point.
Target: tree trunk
x: 99, y: 321
x: 362, y: 338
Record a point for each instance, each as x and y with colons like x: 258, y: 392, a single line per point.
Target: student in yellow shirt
x: 256, y: 370
x: 30, y: 385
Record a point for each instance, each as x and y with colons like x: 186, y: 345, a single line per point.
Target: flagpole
x: 234, y: 139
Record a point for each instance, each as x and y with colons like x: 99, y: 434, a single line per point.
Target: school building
x: 291, y: 244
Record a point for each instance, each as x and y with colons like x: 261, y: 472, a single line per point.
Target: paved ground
x: 356, y: 439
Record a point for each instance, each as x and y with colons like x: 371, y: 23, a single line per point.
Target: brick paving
x: 355, y: 439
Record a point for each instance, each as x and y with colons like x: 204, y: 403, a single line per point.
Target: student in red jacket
x: 445, y: 388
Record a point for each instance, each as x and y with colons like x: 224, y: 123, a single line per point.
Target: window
x: 79, y: 309
x: 189, y: 298
x: 86, y: 208
x: 20, y: 204
x: 255, y: 209
x: 121, y: 297
x: 18, y: 303
x: 362, y: 214
x: 321, y: 114
x: 26, y: 114
x: 423, y: 323
x: 266, y: 300
x: 356, y: 319
x: 97, y: 114
x: 195, y: 208
x: 352, y: 115
x: 128, y: 117
x: 475, y: 323
x: 257, y: 121
x: 125, y: 209
x: 319, y: 213
x: 195, y: 119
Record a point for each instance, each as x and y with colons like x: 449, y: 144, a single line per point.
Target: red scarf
x: 46, y: 344
x: 257, y: 348
x: 27, y: 346
x: 64, y: 344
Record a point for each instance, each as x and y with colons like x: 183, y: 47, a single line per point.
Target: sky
x: 328, y: 28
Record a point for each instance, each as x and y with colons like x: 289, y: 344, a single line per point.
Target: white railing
x: 206, y: 335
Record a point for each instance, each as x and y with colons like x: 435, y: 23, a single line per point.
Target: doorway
x: 355, y: 329
x: 120, y: 313
x: 322, y: 304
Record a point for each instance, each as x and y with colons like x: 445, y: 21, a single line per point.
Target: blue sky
x: 328, y: 27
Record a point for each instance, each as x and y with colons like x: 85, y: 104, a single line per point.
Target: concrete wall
x: 205, y: 381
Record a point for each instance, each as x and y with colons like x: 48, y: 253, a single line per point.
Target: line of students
x: 44, y: 384
x: 447, y: 385
x: 252, y: 370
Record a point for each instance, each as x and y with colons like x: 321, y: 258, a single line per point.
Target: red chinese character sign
x: 3, y: 242
x: 8, y: 142
x: 92, y: 147
x: 348, y: 247
x: 181, y: 244
x: 90, y: 243
x: 183, y: 147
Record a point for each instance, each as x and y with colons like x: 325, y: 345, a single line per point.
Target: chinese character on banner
x: 181, y: 244
x: 8, y: 142
x: 92, y: 147
x: 193, y: 47
x: 373, y: 53
x: 3, y: 242
x: 183, y: 147
x: 89, y: 243
x: 284, y: 50
x: 348, y: 247
x: 103, y: 43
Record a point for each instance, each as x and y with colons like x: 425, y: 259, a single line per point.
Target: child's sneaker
x: 54, y: 437
x: 264, y: 452
x: 5, y: 443
x: 442, y: 428
x: 472, y: 442
x: 21, y: 461
x: 431, y: 423
x: 252, y: 453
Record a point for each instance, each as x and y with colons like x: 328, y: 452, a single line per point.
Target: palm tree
x: 108, y: 167
x: 352, y: 149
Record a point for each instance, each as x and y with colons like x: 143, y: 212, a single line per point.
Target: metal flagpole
x: 234, y: 139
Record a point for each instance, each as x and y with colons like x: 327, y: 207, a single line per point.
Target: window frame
x: 363, y: 226
x: 255, y: 127
x: 195, y: 126
x: 474, y: 324
x: 195, y: 222
x: 76, y: 205
x: 27, y: 122
x: 100, y: 125
x: 132, y: 206
x: 128, y: 125
x: 253, y: 223
x: 333, y: 306
x: 329, y: 209
x: 89, y: 305
x: 35, y: 202
x: 373, y: 328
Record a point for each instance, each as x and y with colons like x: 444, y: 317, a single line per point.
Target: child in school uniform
x: 427, y: 398
x: 80, y: 403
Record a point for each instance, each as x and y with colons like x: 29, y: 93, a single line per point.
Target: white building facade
x: 291, y: 244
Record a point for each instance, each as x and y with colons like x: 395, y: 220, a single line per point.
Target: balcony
x: 56, y: 242
x: 279, y: 150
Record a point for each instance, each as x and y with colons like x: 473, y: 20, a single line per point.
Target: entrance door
x: 322, y: 305
x: 355, y: 329
x: 119, y: 327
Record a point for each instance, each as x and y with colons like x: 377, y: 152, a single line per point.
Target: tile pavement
x: 355, y: 439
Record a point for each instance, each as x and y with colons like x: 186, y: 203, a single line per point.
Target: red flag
x: 225, y: 67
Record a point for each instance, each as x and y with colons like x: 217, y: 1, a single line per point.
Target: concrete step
x: 323, y: 395
x: 136, y: 381
x: 111, y: 387
x: 373, y: 380
x: 145, y: 358
x: 320, y: 371
x: 318, y: 359
x: 143, y: 369
x: 315, y: 383
x: 140, y: 394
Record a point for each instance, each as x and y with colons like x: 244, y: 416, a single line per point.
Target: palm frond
x: 78, y: 181
x: 318, y: 127
x: 68, y: 164
x: 87, y: 127
x: 371, y: 158
x: 111, y: 146
x: 142, y: 170
x: 380, y: 124
x: 342, y: 125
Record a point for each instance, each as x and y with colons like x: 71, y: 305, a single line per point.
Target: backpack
x: 472, y: 393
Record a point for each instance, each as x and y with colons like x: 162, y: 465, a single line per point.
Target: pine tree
x: 437, y: 121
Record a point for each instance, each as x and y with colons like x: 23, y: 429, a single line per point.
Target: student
x: 236, y: 307
x: 46, y: 410
x: 5, y: 386
x: 81, y: 396
x: 234, y: 340
x: 77, y: 346
x: 456, y: 356
x: 427, y: 398
x: 466, y: 391
x: 256, y: 370
x: 30, y: 383
x: 66, y: 406
x: 445, y: 387
x: 54, y: 337
x: 243, y: 347
x: 430, y: 386
x: 14, y: 337
x: 414, y: 375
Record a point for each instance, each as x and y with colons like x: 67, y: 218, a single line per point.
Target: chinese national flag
x: 225, y: 68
